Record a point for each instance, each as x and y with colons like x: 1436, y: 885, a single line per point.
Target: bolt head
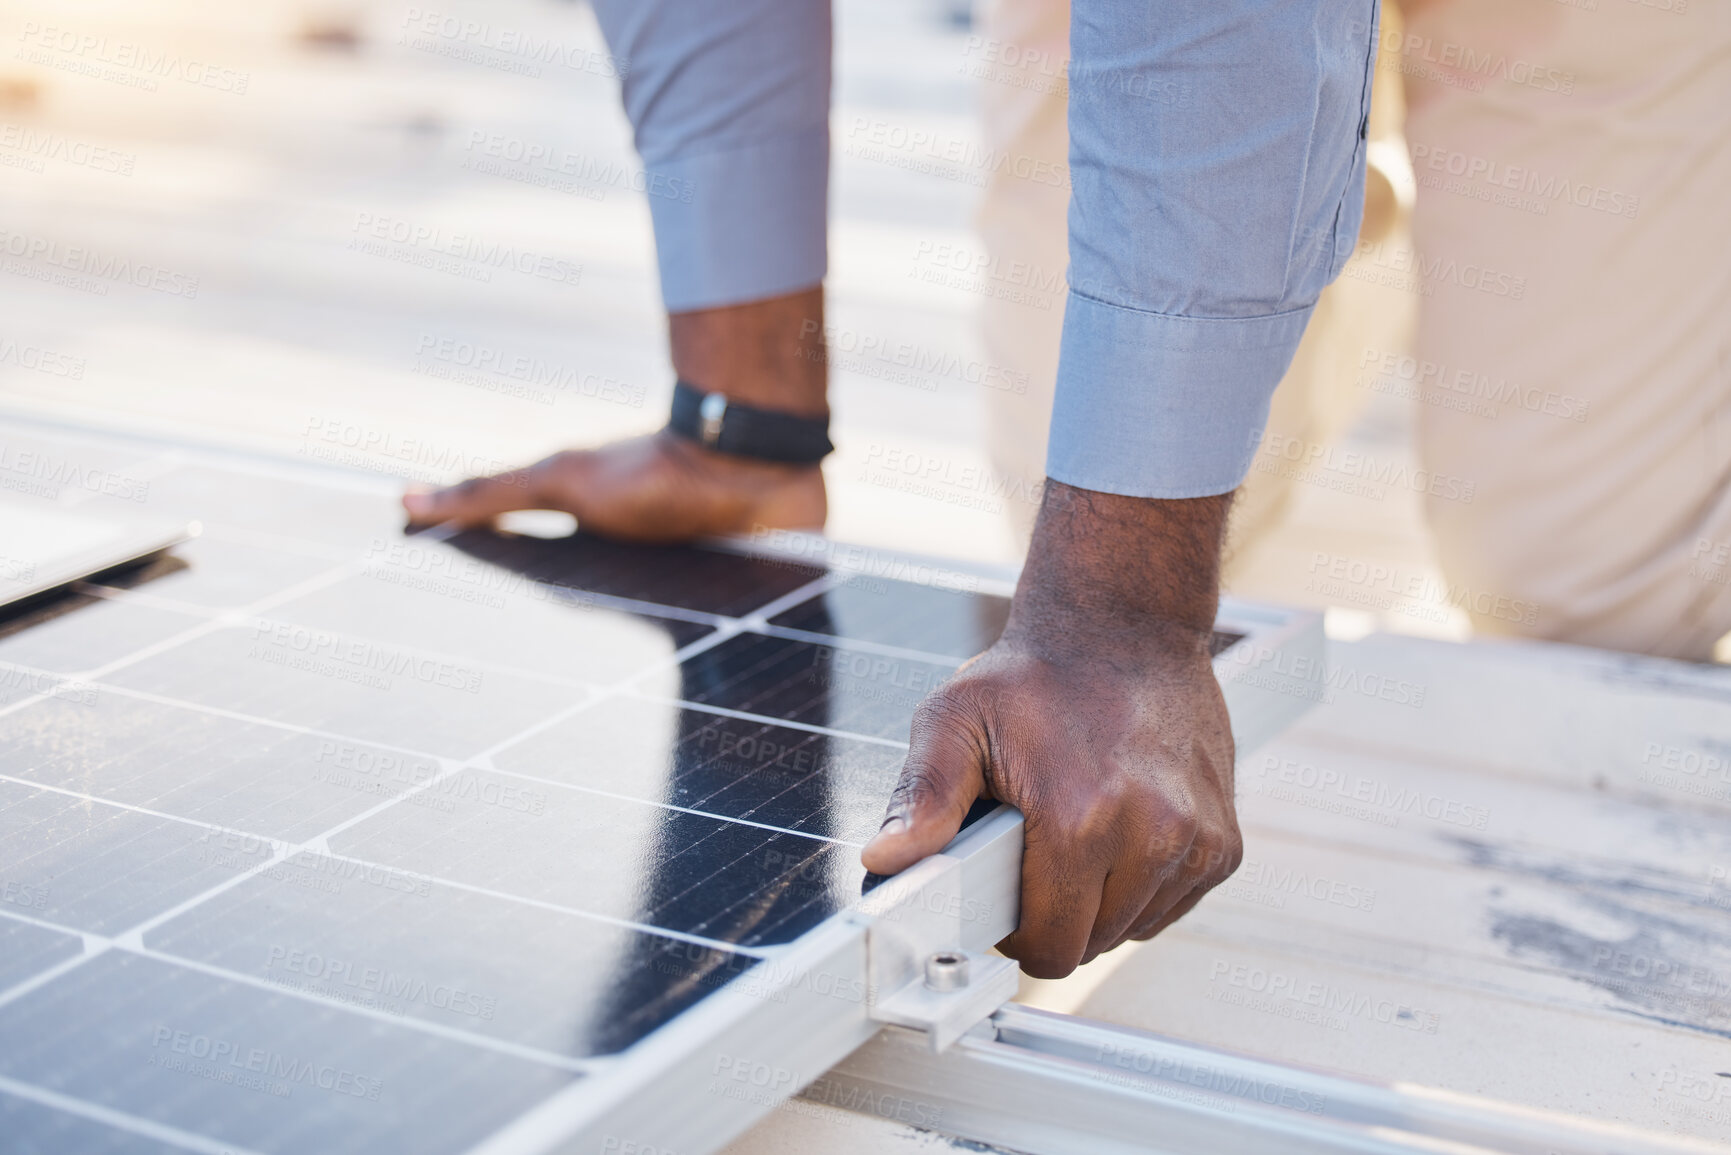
x: 946, y: 970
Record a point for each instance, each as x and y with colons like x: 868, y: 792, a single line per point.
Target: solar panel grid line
x: 82, y: 796
x: 470, y: 763
x: 759, y: 618
x: 469, y: 1038
x: 594, y: 916
x: 110, y: 593
x: 279, y: 854
x: 483, y: 664
x: 597, y: 692
x: 147, y: 1128
x: 861, y: 644
x: 88, y: 938
x: 250, y: 719
x: 846, y: 561
x: 591, y: 600
x: 131, y: 940
x: 790, y: 723
x: 699, y: 812
x: 202, y: 629
x: 797, y: 680
x: 611, y: 600
x: 95, y: 943
x: 700, y: 1053
x: 42, y: 978
x: 799, y: 1031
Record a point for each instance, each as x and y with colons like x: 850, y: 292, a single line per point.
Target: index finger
x: 474, y: 502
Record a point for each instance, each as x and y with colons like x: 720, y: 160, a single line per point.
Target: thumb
x: 940, y: 780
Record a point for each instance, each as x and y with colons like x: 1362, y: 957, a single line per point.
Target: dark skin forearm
x: 1097, y: 715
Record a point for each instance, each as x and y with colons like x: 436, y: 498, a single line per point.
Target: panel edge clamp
x: 921, y: 975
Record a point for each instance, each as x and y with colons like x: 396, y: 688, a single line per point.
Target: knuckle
x: 1097, y: 817
x: 1233, y: 856
x: 1177, y: 835
x: 916, y: 784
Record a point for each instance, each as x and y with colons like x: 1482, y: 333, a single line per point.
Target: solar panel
x: 316, y: 837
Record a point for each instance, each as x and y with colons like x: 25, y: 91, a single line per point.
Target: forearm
x: 1106, y: 572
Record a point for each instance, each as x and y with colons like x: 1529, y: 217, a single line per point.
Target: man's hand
x: 658, y: 488
x: 1098, y: 716
x: 663, y: 488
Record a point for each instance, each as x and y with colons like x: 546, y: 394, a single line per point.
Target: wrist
x: 767, y: 354
x: 1109, y: 575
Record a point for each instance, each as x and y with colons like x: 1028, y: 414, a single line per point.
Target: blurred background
x: 301, y: 227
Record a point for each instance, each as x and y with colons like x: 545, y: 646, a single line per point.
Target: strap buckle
x: 713, y: 409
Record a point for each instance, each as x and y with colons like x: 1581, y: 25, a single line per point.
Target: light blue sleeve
x: 729, y: 101
x: 1217, y: 168
x: 1217, y: 176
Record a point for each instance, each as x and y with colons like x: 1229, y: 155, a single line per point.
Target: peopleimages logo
x: 465, y: 254
x: 123, y: 61
x: 1388, y: 472
x: 1471, y: 384
x: 260, y: 1061
x: 1461, y: 65
x: 44, y: 254
x: 1286, y: 778
x: 1544, y: 188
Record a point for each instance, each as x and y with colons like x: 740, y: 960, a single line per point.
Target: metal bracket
x: 927, y: 932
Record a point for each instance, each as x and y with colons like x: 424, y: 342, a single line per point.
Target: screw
x: 946, y: 970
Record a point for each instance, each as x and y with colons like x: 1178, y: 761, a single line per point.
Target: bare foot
x: 657, y: 488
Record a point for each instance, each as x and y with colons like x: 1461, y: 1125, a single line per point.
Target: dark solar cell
x: 734, y: 767
x: 612, y: 857
x: 952, y: 622
x: 837, y: 686
x: 692, y: 579
x: 956, y: 623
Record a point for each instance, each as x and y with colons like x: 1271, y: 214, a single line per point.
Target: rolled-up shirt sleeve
x: 1217, y: 175
x: 729, y: 103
